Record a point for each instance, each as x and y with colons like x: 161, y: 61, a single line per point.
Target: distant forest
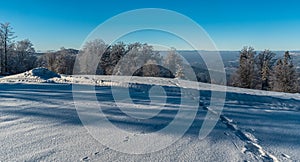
x: 254, y: 70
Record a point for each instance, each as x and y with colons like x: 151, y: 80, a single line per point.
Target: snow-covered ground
x: 39, y: 121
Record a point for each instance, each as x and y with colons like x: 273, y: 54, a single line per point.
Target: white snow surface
x: 39, y: 121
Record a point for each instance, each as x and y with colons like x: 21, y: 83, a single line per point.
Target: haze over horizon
x: 233, y: 24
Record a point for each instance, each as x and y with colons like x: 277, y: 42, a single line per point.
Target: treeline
x: 20, y: 56
x: 134, y: 59
x: 15, y: 57
x: 96, y: 57
x: 264, y: 71
x: 61, y: 61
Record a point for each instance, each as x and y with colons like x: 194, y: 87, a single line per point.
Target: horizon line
x: 219, y: 50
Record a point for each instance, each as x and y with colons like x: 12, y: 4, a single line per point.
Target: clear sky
x: 232, y: 24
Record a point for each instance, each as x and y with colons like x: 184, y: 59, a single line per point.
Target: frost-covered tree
x: 22, y: 57
x: 174, y: 63
x: 285, y: 78
x: 64, y: 61
x: 151, y: 69
x: 136, y: 56
x: 1, y: 55
x: 47, y: 60
x: 264, y: 62
x: 245, y: 74
x: 6, y: 37
x: 90, y: 56
x: 61, y: 61
x: 180, y: 71
x: 111, y: 58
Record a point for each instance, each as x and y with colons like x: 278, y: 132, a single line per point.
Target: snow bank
x: 42, y: 73
x: 37, y: 75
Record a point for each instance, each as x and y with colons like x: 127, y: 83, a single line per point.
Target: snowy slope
x: 39, y: 121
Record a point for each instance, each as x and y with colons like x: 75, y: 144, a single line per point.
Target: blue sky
x: 232, y: 24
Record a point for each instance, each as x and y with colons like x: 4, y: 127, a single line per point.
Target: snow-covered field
x: 39, y: 121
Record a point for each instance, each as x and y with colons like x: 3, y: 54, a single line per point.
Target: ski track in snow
x: 39, y: 123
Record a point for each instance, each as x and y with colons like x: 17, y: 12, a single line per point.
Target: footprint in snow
x: 126, y: 139
x: 86, y: 158
x: 286, y: 156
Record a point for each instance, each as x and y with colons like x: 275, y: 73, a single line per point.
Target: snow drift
x: 38, y: 75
